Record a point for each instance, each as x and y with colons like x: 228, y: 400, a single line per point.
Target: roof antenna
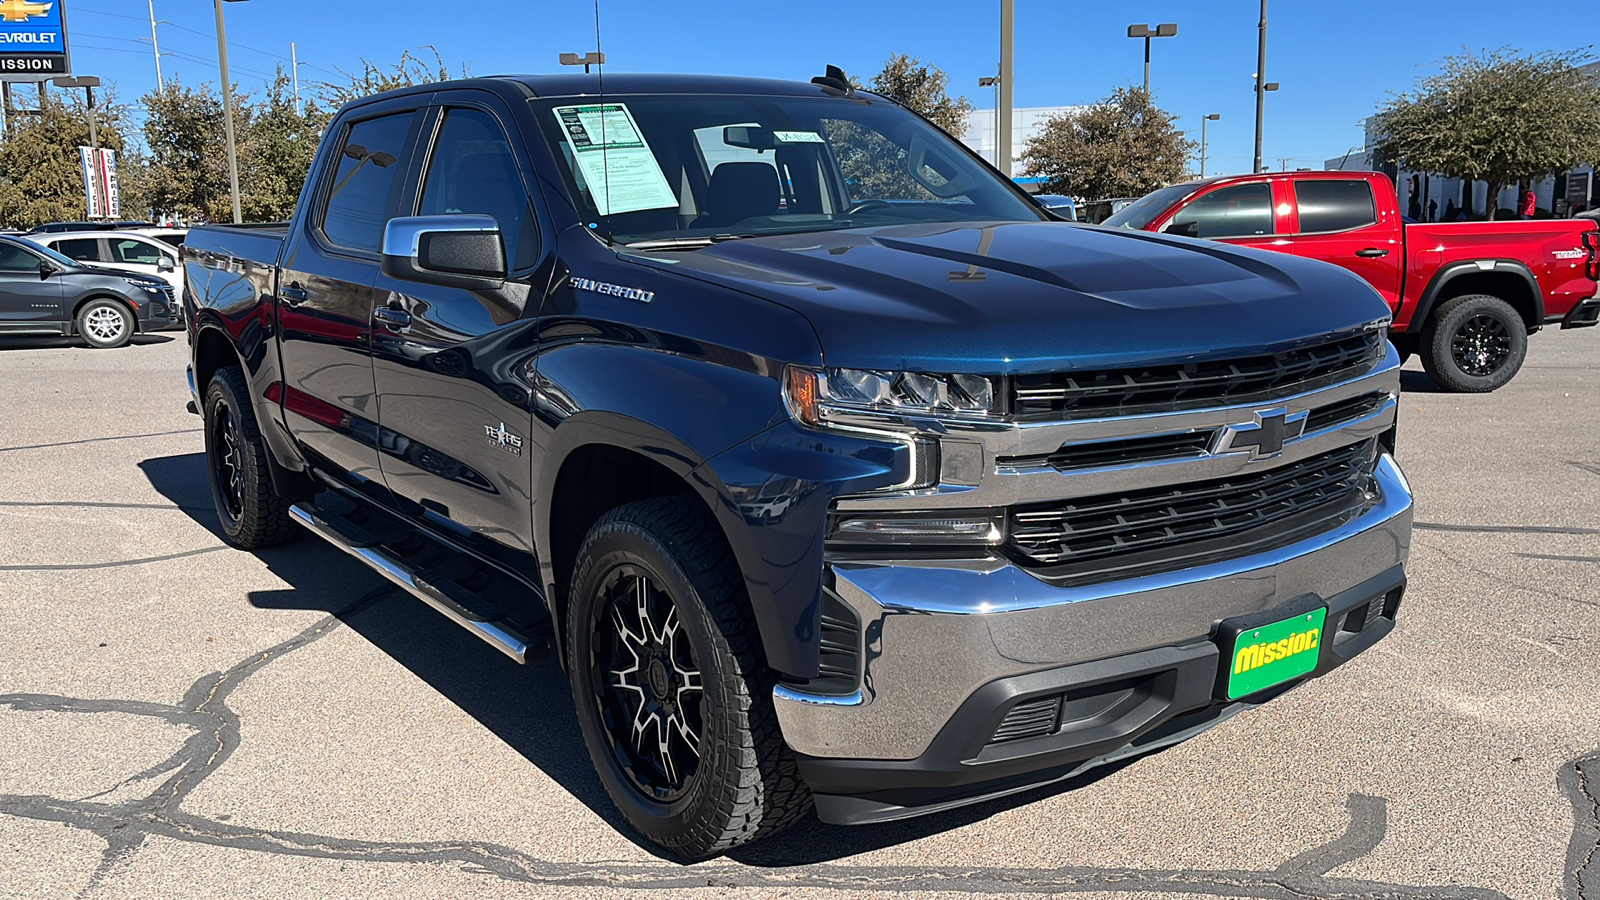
x: 832, y: 81
x: 605, y: 160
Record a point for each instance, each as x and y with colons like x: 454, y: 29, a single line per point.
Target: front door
x: 27, y: 299
x: 326, y: 297
x: 1237, y: 213
x: 144, y: 255
x: 449, y: 363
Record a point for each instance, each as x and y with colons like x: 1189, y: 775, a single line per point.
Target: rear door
x: 1340, y: 221
x: 87, y: 250
x: 27, y: 299
x: 451, y: 364
x: 326, y: 294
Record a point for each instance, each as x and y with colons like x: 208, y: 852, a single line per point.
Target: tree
x: 1123, y: 146
x: 279, y: 149
x: 186, y: 171
x: 373, y: 79
x: 43, y: 175
x: 907, y: 81
x: 1495, y: 117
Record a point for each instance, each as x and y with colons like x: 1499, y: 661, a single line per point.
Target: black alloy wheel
x: 643, y: 671
x: 1480, y: 345
x: 251, y: 511
x: 1473, y: 343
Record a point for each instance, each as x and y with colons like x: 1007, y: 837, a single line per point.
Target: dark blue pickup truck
x: 835, y: 471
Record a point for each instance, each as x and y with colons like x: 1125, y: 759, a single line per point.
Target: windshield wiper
x: 685, y: 243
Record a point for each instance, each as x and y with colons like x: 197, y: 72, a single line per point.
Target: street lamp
x: 586, y: 60
x: 227, y: 110
x: 88, y: 83
x: 1262, y: 85
x: 994, y: 83
x: 1211, y: 118
x: 1002, y: 140
x: 1145, y: 31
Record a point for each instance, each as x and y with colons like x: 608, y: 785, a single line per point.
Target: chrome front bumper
x: 936, y: 632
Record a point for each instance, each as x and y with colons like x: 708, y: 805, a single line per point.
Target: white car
x: 167, y: 234
x: 119, y: 250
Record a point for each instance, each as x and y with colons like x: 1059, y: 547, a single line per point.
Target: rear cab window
x: 1334, y: 204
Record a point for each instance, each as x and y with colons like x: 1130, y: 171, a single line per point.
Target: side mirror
x: 47, y: 268
x: 464, y: 251
x: 165, y: 265
x: 1183, y: 229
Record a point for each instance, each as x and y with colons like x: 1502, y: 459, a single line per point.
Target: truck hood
x: 1020, y: 297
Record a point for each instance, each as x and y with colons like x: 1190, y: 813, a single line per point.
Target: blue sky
x: 1336, y: 65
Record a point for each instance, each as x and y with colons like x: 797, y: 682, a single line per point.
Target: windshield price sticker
x: 614, y: 159
x: 797, y: 137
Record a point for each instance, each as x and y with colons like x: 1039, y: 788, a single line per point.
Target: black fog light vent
x: 1391, y: 602
x: 1356, y: 619
x: 1028, y: 719
x: 839, y: 665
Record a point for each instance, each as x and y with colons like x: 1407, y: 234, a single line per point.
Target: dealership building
x: 1025, y: 124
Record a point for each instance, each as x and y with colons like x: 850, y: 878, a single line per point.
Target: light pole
x: 1168, y: 29
x: 227, y: 110
x: 1002, y: 140
x: 1262, y: 84
x: 156, y: 46
x: 88, y: 83
x: 1211, y: 118
x: 994, y: 83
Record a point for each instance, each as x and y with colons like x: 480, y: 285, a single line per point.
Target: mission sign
x: 33, y: 40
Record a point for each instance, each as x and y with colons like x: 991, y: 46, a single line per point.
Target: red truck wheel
x: 1474, y: 344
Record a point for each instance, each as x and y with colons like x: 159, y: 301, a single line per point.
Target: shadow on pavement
x: 45, y: 342
x: 529, y: 707
x: 1418, y: 383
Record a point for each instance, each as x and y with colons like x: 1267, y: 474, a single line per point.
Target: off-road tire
x: 746, y: 784
x: 97, y: 319
x: 257, y: 515
x: 1448, y: 322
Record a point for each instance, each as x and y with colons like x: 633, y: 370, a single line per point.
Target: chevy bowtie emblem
x: 22, y: 10
x: 1263, y: 438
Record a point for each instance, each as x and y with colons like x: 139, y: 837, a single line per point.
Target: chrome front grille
x: 1118, y: 535
x: 1153, y: 389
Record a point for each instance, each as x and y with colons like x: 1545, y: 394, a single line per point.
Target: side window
x: 1244, y: 210
x: 16, y: 259
x: 80, y: 249
x: 472, y: 170
x: 127, y: 250
x: 358, y: 201
x: 1327, y: 205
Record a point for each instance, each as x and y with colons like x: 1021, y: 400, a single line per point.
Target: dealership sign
x: 33, y: 40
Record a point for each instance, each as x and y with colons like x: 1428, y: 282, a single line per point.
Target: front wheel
x: 1474, y: 344
x: 104, y: 324
x: 673, y: 699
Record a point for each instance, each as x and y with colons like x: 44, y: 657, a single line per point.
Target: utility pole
x: 1002, y: 140
x: 155, y: 46
x: 294, y: 68
x: 1261, y: 82
x: 227, y: 112
x: 1203, y: 120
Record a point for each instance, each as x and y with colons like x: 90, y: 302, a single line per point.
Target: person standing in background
x: 1433, y: 210
x: 1529, y: 202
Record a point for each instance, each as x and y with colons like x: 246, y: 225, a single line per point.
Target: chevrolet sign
x: 33, y: 40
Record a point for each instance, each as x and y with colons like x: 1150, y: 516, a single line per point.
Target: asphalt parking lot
x: 179, y: 719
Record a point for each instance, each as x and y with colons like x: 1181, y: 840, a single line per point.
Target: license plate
x: 1272, y: 654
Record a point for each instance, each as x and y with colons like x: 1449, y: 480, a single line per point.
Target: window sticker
x: 615, y: 160
x: 797, y: 137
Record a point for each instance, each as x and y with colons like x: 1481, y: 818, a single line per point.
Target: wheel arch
x: 1508, y: 279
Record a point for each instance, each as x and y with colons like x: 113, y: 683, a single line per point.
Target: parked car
x: 1465, y: 295
x: 43, y: 292
x: 1058, y: 204
x: 1096, y: 211
x: 124, y: 250
x: 822, y: 491
x: 167, y: 234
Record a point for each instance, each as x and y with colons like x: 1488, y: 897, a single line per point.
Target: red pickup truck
x: 1465, y: 295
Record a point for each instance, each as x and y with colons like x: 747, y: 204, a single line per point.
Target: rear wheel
x: 104, y: 324
x: 252, y: 512
x: 673, y: 699
x: 1474, y: 344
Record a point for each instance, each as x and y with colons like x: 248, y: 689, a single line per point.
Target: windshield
x: 1140, y: 213
x: 54, y: 256
x: 684, y: 170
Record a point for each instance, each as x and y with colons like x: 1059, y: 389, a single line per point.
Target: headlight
x: 816, y: 395
x: 152, y: 288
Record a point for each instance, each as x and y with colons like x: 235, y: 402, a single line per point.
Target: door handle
x: 293, y: 295
x: 1372, y: 253
x: 392, y: 319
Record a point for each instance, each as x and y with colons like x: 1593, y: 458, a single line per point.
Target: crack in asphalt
x: 115, y: 437
x: 1583, y: 875
x: 127, y: 825
x: 114, y: 564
